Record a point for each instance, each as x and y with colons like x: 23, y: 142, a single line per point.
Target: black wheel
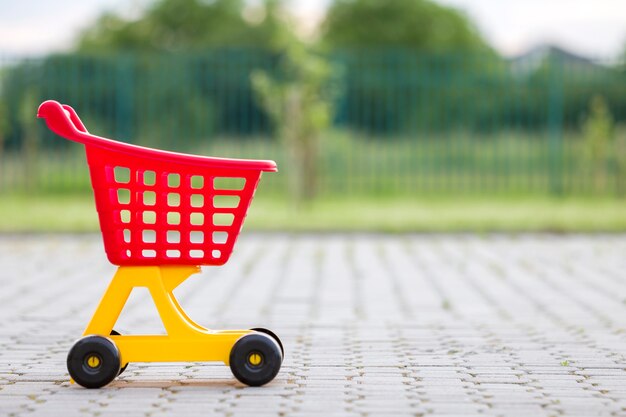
x: 123, y: 368
x: 93, y: 361
x: 255, y: 359
x: 273, y: 336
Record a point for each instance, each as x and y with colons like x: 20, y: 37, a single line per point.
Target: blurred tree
x: 620, y: 159
x: 418, y: 24
x: 30, y: 138
x: 598, y: 131
x: 298, y: 98
x: 4, y: 126
x: 394, y: 50
x: 183, y: 25
x: 214, y: 46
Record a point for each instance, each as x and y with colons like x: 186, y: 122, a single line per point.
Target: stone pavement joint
x: 402, y: 325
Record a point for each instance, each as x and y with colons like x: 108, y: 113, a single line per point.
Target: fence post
x: 124, y: 98
x: 555, y: 125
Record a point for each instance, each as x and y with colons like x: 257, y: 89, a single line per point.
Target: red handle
x: 59, y: 119
x: 78, y: 124
x: 63, y: 120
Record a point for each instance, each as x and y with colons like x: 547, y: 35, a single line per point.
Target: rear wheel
x: 255, y: 359
x: 273, y: 336
x: 93, y: 361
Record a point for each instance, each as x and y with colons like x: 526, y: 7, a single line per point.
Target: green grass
x: 420, y: 214
x: 354, y: 164
x: 439, y: 214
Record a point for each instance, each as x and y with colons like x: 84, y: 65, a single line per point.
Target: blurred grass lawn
x: 421, y: 214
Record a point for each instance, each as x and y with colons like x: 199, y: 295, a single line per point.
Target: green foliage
x: 298, y: 100
x: 395, y: 50
x: 570, y: 83
x: 183, y: 25
x: 620, y: 159
x: 189, y: 59
x: 419, y: 24
x: 4, y: 119
x: 598, y: 131
x: 30, y: 142
x: 4, y: 125
x: 391, y: 91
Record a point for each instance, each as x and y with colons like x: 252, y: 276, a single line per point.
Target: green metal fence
x: 405, y: 123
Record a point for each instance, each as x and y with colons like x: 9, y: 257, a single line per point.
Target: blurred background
x: 388, y: 115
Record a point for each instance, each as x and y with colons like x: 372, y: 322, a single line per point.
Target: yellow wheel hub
x: 255, y: 359
x: 93, y: 361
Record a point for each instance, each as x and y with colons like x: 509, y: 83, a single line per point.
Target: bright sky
x: 593, y: 28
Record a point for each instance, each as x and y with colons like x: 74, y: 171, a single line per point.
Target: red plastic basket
x: 162, y: 208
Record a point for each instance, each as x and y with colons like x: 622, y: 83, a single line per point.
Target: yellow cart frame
x: 185, y: 340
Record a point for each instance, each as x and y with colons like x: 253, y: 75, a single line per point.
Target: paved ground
x: 373, y: 325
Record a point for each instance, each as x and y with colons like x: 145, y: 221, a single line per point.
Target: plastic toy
x: 163, y: 215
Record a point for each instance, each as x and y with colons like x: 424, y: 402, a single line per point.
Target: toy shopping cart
x: 163, y: 215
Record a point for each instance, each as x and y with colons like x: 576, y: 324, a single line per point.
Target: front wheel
x: 123, y: 368
x: 93, y: 361
x: 255, y: 359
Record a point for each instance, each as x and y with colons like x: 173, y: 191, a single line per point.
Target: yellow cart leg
x: 185, y: 340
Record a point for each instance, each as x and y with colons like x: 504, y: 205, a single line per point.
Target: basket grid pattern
x: 181, y: 215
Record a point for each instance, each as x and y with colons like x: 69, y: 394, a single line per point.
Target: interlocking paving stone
x: 415, y: 325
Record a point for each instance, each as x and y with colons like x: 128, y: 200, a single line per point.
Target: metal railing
x: 405, y: 122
